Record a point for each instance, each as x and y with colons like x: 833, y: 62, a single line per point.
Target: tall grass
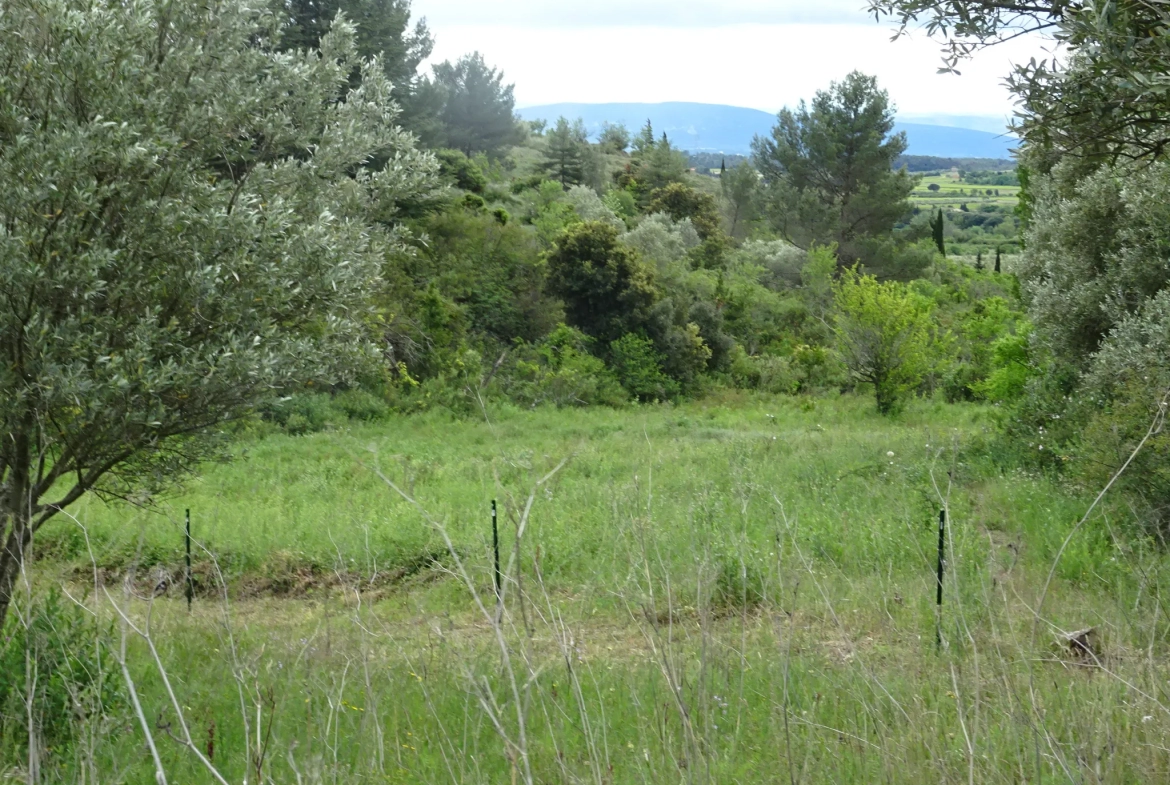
x: 704, y: 593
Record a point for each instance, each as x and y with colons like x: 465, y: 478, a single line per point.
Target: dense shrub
x: 360, y: 405
x: 1011, y: 366
x: 885, y: 335
x: 1096, y: 279
x: 560, y: 370
x: 638, y: 366
x: 1098, y: 250
x: 662, y: 241
x: 1126, y: 385
x: 591, y: 207
x: 607, y: 289
x: 478, y: 275
x: 460, y: 171
x: 303, y: 413
x: 680, y: 201
x: 310, y: 412
x: 1110, y: 437
x: 781, y: 260
x: 768, y: 373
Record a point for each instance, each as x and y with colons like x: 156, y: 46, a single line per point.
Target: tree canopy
x: 654, y: 164
x: 680, y: 201
x: 478, y: 112
x: 607, y: 289
x: 829, y: 167
x: 1095, y: 126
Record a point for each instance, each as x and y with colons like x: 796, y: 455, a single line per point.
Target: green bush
x: 311, y: 412
x: 885, y: 335
x: 1122, y: 393
x: 638, y: 366
x: 607, y: 289
x: 621, y: 202
x: 361, y: 405
x: 303, y: 413
x: 959, y: 382
x: 766, y: 372
x: 461, y: 171
x: 680, y: 201
x: 816, y: 368
x: 681, y: 351
x: 560, y: 371
x: 1010, y: 369
x: 1110, y: 438
x: 1040, y: 430
x: 805, y: 369
x: 530, y: 183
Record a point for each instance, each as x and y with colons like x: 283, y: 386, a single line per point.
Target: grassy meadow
x: 740, y: 589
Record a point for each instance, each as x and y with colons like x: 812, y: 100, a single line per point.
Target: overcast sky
x: 763, y: 54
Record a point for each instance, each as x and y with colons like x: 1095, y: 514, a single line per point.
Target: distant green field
x: 952, y: 192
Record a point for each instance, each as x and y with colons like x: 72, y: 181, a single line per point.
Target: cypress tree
x: 979, y: 260
x: 997, y: 255
x: 644, y: 141
x: 936, y: 228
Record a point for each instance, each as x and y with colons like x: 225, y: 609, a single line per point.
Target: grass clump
x: 54, y: 680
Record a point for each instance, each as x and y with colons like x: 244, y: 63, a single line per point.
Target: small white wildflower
x: 890, y: 454
x: 1147, y: 718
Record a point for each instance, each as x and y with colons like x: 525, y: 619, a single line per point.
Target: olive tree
x: 885, y: 336
x: 187, y: 226
x: 1106, y: 98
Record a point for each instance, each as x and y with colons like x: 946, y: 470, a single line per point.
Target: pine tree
x: 478, y: 113
x: 829, y: 168
x: 565, y: 158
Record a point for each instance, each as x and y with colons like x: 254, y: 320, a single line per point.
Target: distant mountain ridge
x: 730, y: 129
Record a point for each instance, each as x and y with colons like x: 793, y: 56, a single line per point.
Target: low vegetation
x: 711, y: 591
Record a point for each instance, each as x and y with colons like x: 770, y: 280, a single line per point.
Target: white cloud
x: 750, y: 53
x: 626, y: 13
